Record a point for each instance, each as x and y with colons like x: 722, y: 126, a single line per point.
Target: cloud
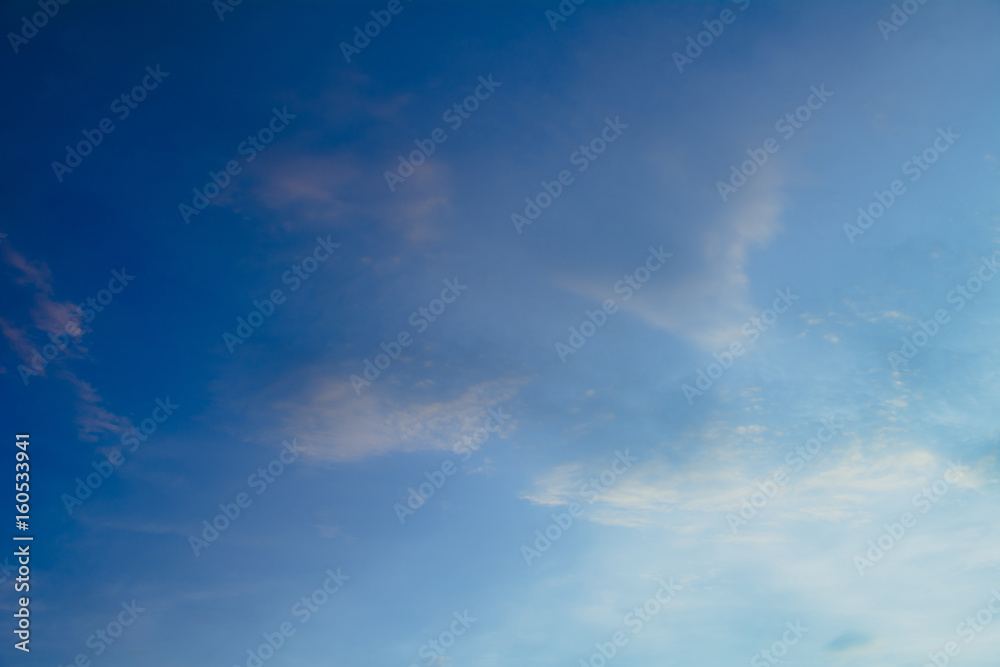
x: 316, y: 192
x: 850, y: 483
x: 32, y: 273
x: 313, y: 189
x: 54, y: 318
x: 347, y: 187
x: 18, y: 340
x: 59, y: 321
x: 708, y: 306
x: 557, y: 486
x: 92, y: 418
x: 335, y: 424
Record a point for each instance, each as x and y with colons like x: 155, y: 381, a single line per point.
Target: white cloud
x: 710, y: 304
x: 335, y: 424
x: 853, y: 483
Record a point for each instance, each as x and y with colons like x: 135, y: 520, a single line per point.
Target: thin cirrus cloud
x: 54, y: 318
x: 48, y: 315
x: 842, y: 484
x: 338, y: 190
x: 334, y: 424
x: 708, y: 304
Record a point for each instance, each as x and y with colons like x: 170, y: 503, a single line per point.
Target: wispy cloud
x: 708, y: 305
x: 844, y: 484
x: 58, y: 320
x: 335, y: 424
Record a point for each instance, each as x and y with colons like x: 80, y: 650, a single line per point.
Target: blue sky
x: 479, y: 400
